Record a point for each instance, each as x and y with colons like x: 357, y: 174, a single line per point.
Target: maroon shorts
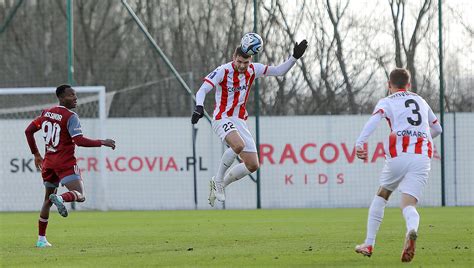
x: 52, y: 176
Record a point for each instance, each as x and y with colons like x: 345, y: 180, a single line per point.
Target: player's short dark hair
x: 238, y: 52
x: 60, y: 89
x: 400, y: 77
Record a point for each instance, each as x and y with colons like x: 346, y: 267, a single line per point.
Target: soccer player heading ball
x: 232, y: 82
x: 62, y: 132
x: 409, y: 149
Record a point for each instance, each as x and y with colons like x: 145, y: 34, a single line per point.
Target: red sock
x: 69, y: 196
x: 42, y: 224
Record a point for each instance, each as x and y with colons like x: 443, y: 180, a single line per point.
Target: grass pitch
x: 234, y: 238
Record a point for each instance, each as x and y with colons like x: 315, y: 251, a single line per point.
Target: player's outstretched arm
x: 108, y: 143
x: 86, y: 142
x: 283, y: 68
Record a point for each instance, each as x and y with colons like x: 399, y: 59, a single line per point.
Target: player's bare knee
x: 252, y: 167
x: 384, y: 193
x: 238, y: 148
x: 384, y: 196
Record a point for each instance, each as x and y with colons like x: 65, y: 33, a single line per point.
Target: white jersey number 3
x: 51, y: 133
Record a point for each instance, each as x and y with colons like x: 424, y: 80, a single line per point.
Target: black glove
x: 300, y: 48
x: 197, y: 114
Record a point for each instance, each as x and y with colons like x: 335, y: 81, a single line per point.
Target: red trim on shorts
x: 235, y: 101
x: 405, y: 143
x: 392, y: 145
x: 434, y: 122
x: 209, y: 81
x: 430, y: 149
x: 224, y: 92
x: 242, y: 110
x: 419, y: 143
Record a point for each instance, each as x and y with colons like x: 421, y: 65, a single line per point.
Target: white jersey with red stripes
x: 232, y: 89
x: 409, y: 118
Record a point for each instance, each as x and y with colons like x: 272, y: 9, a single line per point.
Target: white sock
x: 376, y: 212
x: 236, y: 173
x: 226, y: 161
x: 41, y: 238
x: 412, y: 218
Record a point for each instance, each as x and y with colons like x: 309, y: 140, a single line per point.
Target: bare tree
x: 406, y: 46
x: 344, y: 69
x: 335, y: 18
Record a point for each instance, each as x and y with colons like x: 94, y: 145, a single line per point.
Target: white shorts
x: 408, y: 172
x: 226, y: 125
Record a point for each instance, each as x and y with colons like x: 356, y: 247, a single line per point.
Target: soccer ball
x: 251, y: 44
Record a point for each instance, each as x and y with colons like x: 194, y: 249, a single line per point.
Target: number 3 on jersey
x: 415, y: 111
x: 51, y: 133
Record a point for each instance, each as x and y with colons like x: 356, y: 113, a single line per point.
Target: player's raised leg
x: 76, y: 190
x: 212, y: 192
x: 216, y: 185
x: 226, y: 161
x: 376, y: 213
x: 248, y: 155
x: 75, y: 186
x: 43, y: 219
x: 250, y: 164
x: 412, y: 219
x: 236, y: 145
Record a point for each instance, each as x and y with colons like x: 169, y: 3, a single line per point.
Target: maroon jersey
x: 58, y: 126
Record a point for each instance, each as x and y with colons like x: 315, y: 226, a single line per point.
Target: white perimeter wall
x: 307, y: 161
